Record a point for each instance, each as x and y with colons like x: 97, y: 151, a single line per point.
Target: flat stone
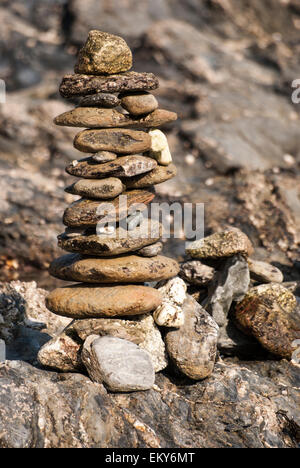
x: 125, y: 166
x: 122, y: 141
x: 98, y: 189
x: 127, y: 269
x: 221, y: 244
x: 230, y: 285
x: 103, y: 53
x: 121, y: 242
x: 151, y: 250
x: 138, y: 103
x: 103, y: 157
x: 270, y: 313
x: 140, y: 330
x: 93, y: 301
x: 93, y: 117
x: 82, y: 85
x: 121, y: 365
x: 193, y: 347
x: 264, y: 272
x: 160, y: 148
x: 156, y: 176
x: 85, y: 213
x: 195, y: 272
x: 100, y: 100
x: 170, y: 313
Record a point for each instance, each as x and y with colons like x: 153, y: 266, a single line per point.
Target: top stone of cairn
x: 103, y: 53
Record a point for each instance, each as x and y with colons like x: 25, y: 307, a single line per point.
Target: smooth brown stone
x: 117, y: 140
x: 103, y: 157
x: 156, y: 176
x: 98, y: 189
x: 83, y: 212
x: 92, y: 117
x: 82, y: 85
x: 100, y: 100
x: 122, y: 242
x: 93, y: 301
x: 125, y: 166
x: 128, y: 269
x: 103, y: 53
x: 139, y: 103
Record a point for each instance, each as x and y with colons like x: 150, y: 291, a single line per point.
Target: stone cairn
x: 112, y: 263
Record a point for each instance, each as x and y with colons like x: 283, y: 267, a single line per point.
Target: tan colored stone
x: 93, y: 117
x: 270, y: 313
x: 98, y: 189
x: 264, y: 272
x: 90, y: 301
x: 125, y: 166
x: 103, y: 53
x: 221, y: 245
x: 128, y: 269
x: 85, y: 213
x: 117, y: 140
x: 139, y: 103
x: 62, y: 353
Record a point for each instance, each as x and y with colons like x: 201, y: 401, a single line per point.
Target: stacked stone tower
x: 114, y: 249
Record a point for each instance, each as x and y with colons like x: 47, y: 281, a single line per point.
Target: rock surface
x: 103, y: 53
x: 109, y: 187
x: 85, y: 212
x: 120, y: 141
x: 93, y: 301
x: 193, y: 347
x: 231, y: 284
x: 125, y: 166
x: 61, y: 353
x: 120, y: 364
x: 221, y: 244
x: 122, y: 241
x: 271, y: 314
x: 127, y: 269
x: 81, y: 85
x: 91, y: 117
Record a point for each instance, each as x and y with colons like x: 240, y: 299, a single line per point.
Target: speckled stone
x: 103, y: 157
x: 221, y: 245
x: 103, y: 53
x: 99, y: 189
x: 151, y: 250
x: 270, y: 313
x: 100, y: 100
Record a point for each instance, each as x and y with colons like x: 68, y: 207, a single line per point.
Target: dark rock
x: 100, y: 100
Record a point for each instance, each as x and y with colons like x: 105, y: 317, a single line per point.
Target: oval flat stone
x: 121, y: 242
x: 138, y: 103
x: 93, y: 301
x: 117, y: 140
x: 125, y: 166
x: 119, y: 364
x: 103, y: 53
x: 85, y: 213
x: 127, y: 269
x: 82, y: 85
x: 98, y: 189
x: 100, y: 100
x: 91, y: 117
x: 158, y: 175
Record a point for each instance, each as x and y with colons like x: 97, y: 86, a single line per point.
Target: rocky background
x: 226, y: 68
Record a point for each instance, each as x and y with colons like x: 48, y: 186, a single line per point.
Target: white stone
x: 160, y: 148
x: 170, y: 312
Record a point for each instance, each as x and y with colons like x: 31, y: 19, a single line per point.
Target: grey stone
x: 263, y: 272
x: 121, y: 365
x: 231, y: 284
x: 195, y: 272
x: 100, y: 100
x: 151, y: 250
